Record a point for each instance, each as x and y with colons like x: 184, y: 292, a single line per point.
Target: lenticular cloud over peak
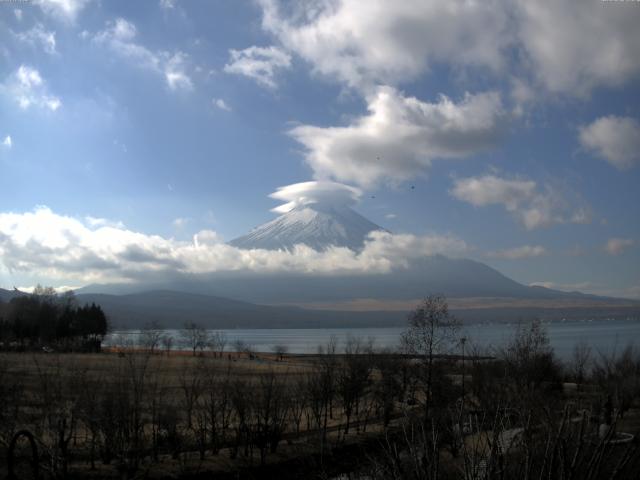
x: 315, y: 192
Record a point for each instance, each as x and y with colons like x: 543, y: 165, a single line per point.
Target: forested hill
x: 44, y: 319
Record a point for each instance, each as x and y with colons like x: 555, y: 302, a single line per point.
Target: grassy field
x: 133, y: 414
x: 55, y: 386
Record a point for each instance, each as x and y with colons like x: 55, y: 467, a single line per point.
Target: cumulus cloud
x: 306, y: 193
x: 374, y: 42
x: 616, y: 246
x: 7, y: 142
x: 259, y: 63
x: 616, y: 139
x: 49, y: 245
x: 38, y: 35
x: 102, y: 222
x: 27, y: 87
x: 517, y: 253
x: 575, y: 46
x: 400, y: 136
x: 376, y: 46
x: 67, y: 10
x: 221, y: 104
x: 569, y: 46
x: 532, y: 205
x: 120, y: 37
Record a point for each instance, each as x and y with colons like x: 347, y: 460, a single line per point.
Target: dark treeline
x: 46, y: 319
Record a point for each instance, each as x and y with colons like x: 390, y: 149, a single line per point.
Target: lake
x: 604, y: 336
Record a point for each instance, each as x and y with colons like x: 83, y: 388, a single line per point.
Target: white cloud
x: 390, y: 216
x: 258, y: 63
x: 534, y: 207
x: 175, y: 74
x: 221, y: 104
x: 563, y: 46
x: 120, y: 35
x: 575, y: 46
x: 376, y: 46
x: 47, y: 245
x: 306, y: 193
x: 63, y: 9
x: 7, y: 142
x: 180, y: 222
x: 517, y: 253
x: 38, y: 35
x: 102, y: 222
x: 616, y: 246
x: 167, y: 4
x: 60, y: 289
x: 400, y: 136
x: 616, y: 139
x: 369, y: 43
x: 27, y: 87
x: 489, y: 189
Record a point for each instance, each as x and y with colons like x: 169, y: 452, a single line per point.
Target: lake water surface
x: 604, y: 336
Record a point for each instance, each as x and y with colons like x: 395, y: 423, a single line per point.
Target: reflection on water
x: 602, y: 335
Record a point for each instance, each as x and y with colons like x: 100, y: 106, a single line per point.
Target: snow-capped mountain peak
x: 317, y: 225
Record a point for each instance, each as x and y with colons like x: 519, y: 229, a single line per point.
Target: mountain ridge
x: 173, y: 308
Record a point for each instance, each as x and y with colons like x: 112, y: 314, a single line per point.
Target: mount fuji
x: 266, y: 300
x: 318, y: 225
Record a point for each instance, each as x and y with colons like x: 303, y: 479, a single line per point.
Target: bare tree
x: 167, y: 343
x: 191, y: 380
x: 388, y: 388
x: 58, y: 399
x: 618, y: 375
x: 580, y: 359
x: 270, y: 412
x: 530, y: 365
x: 298, y: 402
x: 195, y: 337
x: 217, y: 400
x: 219, y: 341
x: 353, y: 377
x: 280, y: 351
x: 321, y: 389
x: 151, y: 336
x: 431, y: 332
x: 240, y: 346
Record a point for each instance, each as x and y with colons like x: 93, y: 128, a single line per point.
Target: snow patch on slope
x: 318, y: 226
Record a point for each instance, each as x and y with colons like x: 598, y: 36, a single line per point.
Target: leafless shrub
x: 618, y: 376
x: 579, y: 364
x: 151, y: 336
x: 195, y: 337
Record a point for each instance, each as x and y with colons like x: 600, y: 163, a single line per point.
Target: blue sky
x: 141, y: 124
